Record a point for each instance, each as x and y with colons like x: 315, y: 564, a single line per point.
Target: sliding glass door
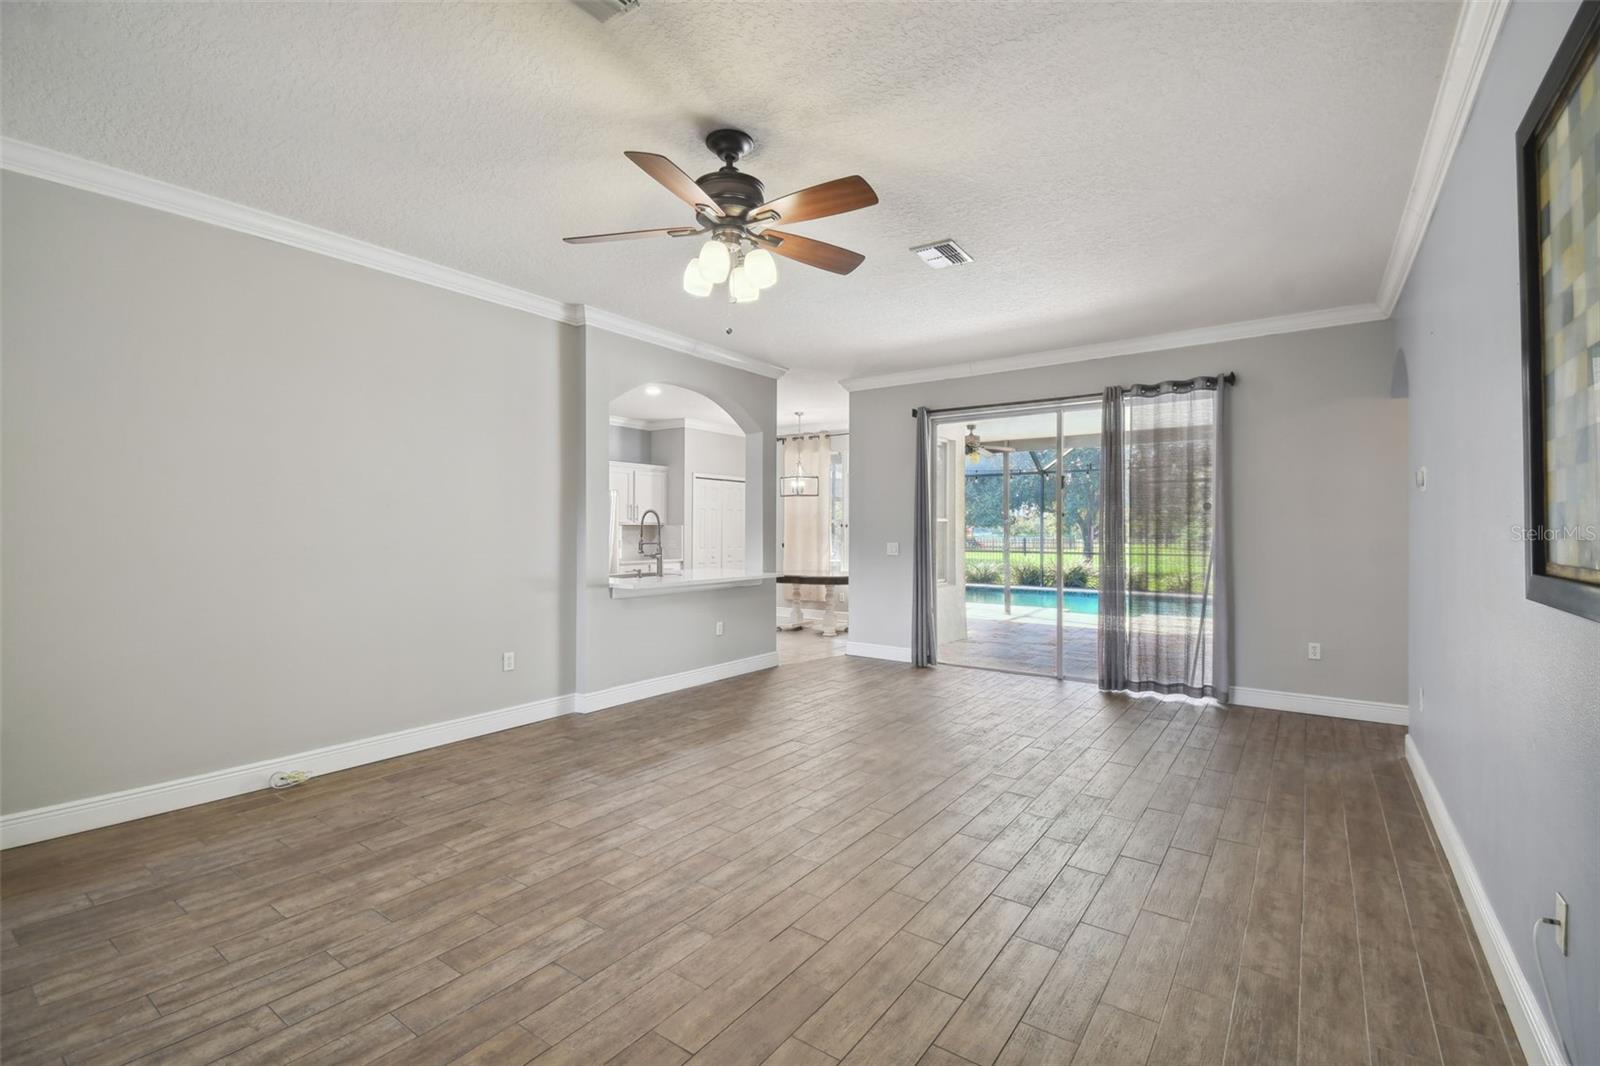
x: 1015, y: 521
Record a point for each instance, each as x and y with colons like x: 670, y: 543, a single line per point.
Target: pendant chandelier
x: 798, y: 483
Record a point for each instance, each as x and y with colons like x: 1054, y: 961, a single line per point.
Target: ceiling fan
x: 976, y: 449
x: 731, y: 206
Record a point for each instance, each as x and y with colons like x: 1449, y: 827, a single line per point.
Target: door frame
x: 1058, y: 408
x: 694, y: 507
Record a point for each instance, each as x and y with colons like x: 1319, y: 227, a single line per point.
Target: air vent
x: 941, y: 254
x: 607, y: 9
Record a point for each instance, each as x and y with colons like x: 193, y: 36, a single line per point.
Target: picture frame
x: 1558, y: 144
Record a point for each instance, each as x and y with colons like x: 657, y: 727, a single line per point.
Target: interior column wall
x: 636, y: 639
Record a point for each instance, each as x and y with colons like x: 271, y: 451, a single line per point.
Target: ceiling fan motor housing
x: 736, y: 193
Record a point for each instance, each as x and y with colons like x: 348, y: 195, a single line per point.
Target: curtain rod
x: 1230, y: 377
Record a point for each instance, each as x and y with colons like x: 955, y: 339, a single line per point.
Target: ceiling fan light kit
x: 715, y: 261
x: 731, y: 207
x: 741, y: 288
x: 762, y: 268
x: 695, y: 282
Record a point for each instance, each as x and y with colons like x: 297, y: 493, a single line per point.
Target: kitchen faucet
x: 646, y: 545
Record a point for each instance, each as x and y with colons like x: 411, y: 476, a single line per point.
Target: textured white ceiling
x: 1115, y: 170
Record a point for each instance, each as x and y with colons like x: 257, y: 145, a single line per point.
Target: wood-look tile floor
x: 803, y: 645
x: 838, y: 860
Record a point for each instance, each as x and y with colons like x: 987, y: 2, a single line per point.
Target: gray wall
x: 1319, y: 500
x: 667, y: 449
x: 628, y: 444
x: 628, y: 640
x: 712, y: 453
x: 1510, y: 728
x: 258, y: 501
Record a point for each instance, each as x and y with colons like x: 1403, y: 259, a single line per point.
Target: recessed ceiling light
x: 652, y: 390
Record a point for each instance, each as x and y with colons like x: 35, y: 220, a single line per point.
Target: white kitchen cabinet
x: 640, y: 487
x: 650, y: 492
x: 622, y: 488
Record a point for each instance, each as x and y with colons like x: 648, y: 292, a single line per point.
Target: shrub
x: 982, y: 572
x: 1029, y: 574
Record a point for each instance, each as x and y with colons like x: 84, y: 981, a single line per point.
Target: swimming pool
x: 1083, y: 601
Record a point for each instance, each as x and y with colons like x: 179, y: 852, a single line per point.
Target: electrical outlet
x: 508, y: 661
x: 1561, y: 922
x: 1314, y: 651
x: 892, y: 548
x: 719, y: 629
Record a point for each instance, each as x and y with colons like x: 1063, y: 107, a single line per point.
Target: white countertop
x: 685, y: 581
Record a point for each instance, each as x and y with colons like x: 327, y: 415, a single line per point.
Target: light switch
x: 892, y: 548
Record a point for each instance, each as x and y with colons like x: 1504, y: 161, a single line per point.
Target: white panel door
x: 733, y: 525
x: 707, y: 524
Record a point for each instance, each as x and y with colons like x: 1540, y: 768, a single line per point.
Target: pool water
x: 1083, y: 601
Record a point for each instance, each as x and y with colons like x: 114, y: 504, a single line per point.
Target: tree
x: 1080, y: 506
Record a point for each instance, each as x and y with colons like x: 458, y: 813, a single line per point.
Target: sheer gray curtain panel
x: 924, y: 607
x: 1164, y: 589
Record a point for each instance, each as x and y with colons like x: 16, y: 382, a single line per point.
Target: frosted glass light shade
x: 715, y: 261
x: 741, y: 288
x: 694, y: 280
x: 762, y: 267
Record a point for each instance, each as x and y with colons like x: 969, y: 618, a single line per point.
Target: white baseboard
x: 77, y: 816
x: 589, y: 702
x: 892, y: 652
x: 1539, y: 1041
x: 95, y: 812
x: 1300, y: 702
x: 1331, y: 706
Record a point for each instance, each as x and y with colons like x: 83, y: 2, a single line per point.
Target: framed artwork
x: 1558, y: 168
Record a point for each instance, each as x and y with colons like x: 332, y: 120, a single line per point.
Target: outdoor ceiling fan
x: 976, y: 449
x: 731, y: 206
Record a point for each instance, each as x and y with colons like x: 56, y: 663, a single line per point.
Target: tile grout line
x: 1355, y: 911
x: 1411, y: 927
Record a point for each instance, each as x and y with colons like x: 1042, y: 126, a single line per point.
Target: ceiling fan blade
x: 633, y: 234
x: 814, y: 253
x: 830, y: 198
x: 677, y: 182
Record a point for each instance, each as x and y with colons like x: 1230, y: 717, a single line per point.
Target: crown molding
x: 37, y: 161
x: 651, y: 426
x: 700, y: 425
x: 1476, y: 30
x: 1160, y: 342
x: 641, y: 331
x: 51, y: 165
